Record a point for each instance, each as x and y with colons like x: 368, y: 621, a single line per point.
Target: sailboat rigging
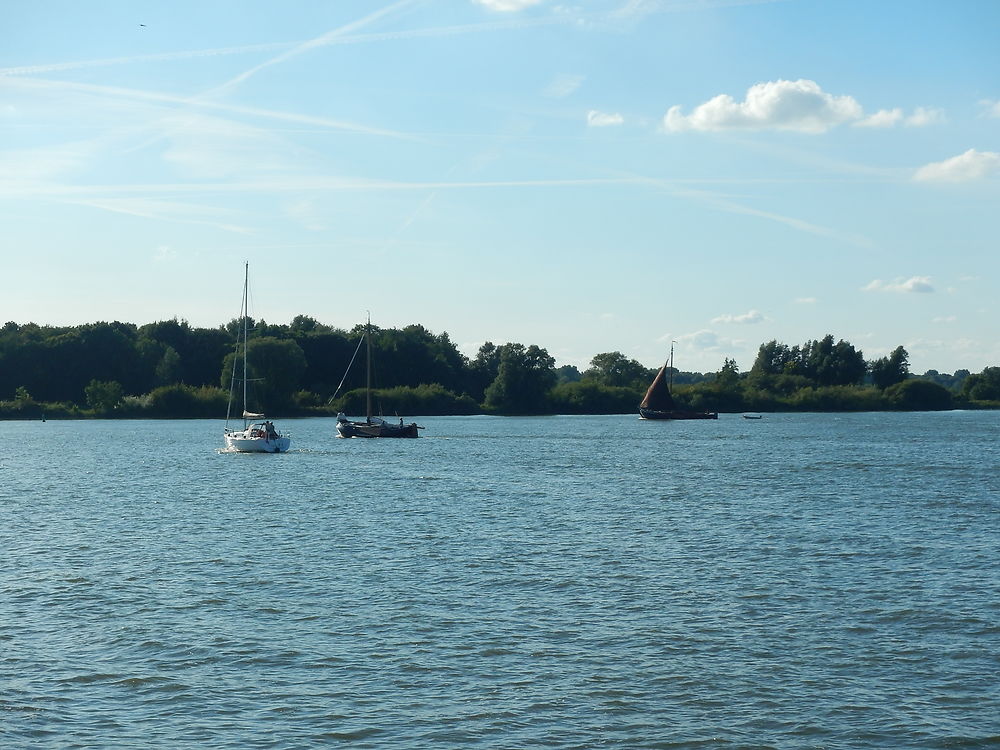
x: 373, y: 426
x: 258, y: 435
x: 659, y: 403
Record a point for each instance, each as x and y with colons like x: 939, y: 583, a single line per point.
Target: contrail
x: 156, y: 97
x: 327, y: 40
x: 28, y: 70
x: 319, y: 41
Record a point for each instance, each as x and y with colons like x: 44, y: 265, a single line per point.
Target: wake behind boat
x: 659, y: 403
x: 372, y: 427
x: 258, y: 434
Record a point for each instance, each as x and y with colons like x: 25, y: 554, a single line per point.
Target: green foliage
x: 588, y: 396
x: 523, y: 380
x: 407, y: 400
x: 822, y: 361
x: 84, y: 370
x: 983, y: 387
x: 918, y: 395
x: 728, y: 378
x: 952, y: 382
x: 275, y: 369
x: 615, y: 369
x: 180, y: 401
x: 568, y: 374
x: 835, y: 398
x: 103, y: 395
x: 484, y: 369
x: 34, y: 410
x: 890, y: 370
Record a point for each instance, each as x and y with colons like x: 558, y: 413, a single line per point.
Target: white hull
x: 241, y: 442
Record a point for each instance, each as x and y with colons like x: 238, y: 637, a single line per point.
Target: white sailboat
x: 258, y: 434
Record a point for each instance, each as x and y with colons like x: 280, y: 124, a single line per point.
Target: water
x: 802, y: 581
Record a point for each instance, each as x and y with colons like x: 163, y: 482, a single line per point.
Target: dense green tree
x: 772, y: 359
x: 890, y: 370
x: 952, y: 382
x: 179, y: 401
x: 728, y: 378
x: 823, y: 361
x: 483, y: 370
x: 588, y: 396
x: 918, y: 395
x: 103, y: 396
x: 275, y: 369
x: 523, y: 380
x: 168, y: 369
x: 568, y: 374
x: 615, y: 369
x: 199, y: 352
x: 413, y: 355
x: 302, y: 324
x: 984, y: 386
x: 327, y: 354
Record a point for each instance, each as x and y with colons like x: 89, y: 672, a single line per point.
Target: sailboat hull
x: 376, y: 430
x: 242, y: 442
x: 676, y: 414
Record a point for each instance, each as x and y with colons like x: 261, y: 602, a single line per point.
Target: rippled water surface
x: 801, y: 581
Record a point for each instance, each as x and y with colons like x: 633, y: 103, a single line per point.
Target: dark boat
x: 659, y: 402
x: 372, y: 427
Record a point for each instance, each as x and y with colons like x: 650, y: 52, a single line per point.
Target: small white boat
x: 258, y: 435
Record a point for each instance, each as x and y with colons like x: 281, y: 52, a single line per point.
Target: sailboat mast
x: 246, y: 281
x: 671, y: 366
x: 368, y: 375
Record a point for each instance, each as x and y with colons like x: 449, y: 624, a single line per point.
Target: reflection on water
x: 799, y: 581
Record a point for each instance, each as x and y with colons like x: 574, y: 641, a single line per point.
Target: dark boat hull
x: 676, y: 414
x: 377, y: 430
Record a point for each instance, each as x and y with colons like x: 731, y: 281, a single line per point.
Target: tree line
x: 171, y: 369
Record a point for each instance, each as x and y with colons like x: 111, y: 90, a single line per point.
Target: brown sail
x: 658, y: 394
x: 658, y: 402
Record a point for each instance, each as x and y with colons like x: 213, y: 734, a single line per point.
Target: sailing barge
x: 659, y: 401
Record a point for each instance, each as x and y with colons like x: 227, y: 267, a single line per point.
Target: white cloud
x: 924, y: 116
x: 507, y: 6
x: 992, y: 108
x: 806, y: 301
x: 972, y: 165
x: 945, y: 319
x: 563, y: 85
x: 597, y: 119
x: 747, y: 318
x: 888, y: 118
x: 776, y: 105
x: 704, y: 341
x: 884, y: 118
x: 916, y: 284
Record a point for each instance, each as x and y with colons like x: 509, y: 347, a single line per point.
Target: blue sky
x: 589, y: 177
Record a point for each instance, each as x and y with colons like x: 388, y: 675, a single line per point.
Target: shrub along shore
x: 169, y: 369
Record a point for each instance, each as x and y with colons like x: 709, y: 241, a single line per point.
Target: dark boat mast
x: 368, y: 375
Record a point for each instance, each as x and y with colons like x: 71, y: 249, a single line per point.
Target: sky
x: 592, y: 176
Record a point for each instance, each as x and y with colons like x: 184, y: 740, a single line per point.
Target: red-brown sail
x: 658, y: 395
